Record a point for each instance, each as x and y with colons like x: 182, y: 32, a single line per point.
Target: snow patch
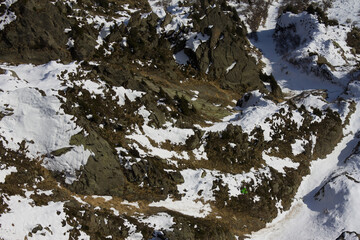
x: 278, y: 163
x: 297, y: 147
x: 23, y: 216
x: 6, y: 171
x: 159, y: 221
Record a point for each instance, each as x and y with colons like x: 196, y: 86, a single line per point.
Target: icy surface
x: 181, y: 58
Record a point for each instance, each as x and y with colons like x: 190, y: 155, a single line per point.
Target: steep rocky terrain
x: 177, y: 119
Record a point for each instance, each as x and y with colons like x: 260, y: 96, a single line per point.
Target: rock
x: 37, y: 35
x: 193, y: 141
x: 103, y: 171
x: 329, y: 133
x: 244, y: 99
x: 166, y: 20
x: 85, y: 42
x: 177, y: 177
x: 225, y: 48
x: 347, y: 235
x: 37, y: 228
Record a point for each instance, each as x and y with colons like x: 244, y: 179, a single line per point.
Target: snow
x: 186, y: 207
x: 8, y: 16
x: 93, y: 87
x: 69, y: 162
x: 326, y: 203
x: 198, y: 189
x: 134, y: 204
x: 159, y: 221
x: 116, y: 212
x: 297, y: 147
x: 181, y: 58
x: 291, y: 79
x: 98, y: 87
x: 39, y: 120
x: 228, y: 69
x: 194, y: 40
x: 6, y: 171
x: 179, y: 15
x: 24, y: 216
x: 195, y: 183
x: 107, y: 24
x: 80, y: 200
x: 253, y: 114
x: 106, y: 198
x: 199, y: 153
x: 122, y: 93
x: 343, y: 10
x: 70, y: 43
x: 126, y: 8
x: 174, y: 135
x: 168, y: 133
x: 157, y: 8
x: 321, y: 41
x: 133, y: 235
x: 326, y: 216
x: 311, y: 101
x: 279, y: 164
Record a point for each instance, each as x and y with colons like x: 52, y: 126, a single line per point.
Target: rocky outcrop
x: 223, y: 57
x: 37, y: 35
x: 329, y: 132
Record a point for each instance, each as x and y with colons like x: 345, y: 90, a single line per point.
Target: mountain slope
x: 161, y: 119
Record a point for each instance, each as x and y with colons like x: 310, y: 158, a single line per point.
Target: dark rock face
x: 330, y: 132
x: 37, y: 35
x: 353, y: 40
x: 244, y: 156
x: 103, y: 173
x: 224, y: 57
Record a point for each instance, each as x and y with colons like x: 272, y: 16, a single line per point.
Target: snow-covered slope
x: 326, y: 203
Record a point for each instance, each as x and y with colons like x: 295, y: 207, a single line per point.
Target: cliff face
x: 159, y: 119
